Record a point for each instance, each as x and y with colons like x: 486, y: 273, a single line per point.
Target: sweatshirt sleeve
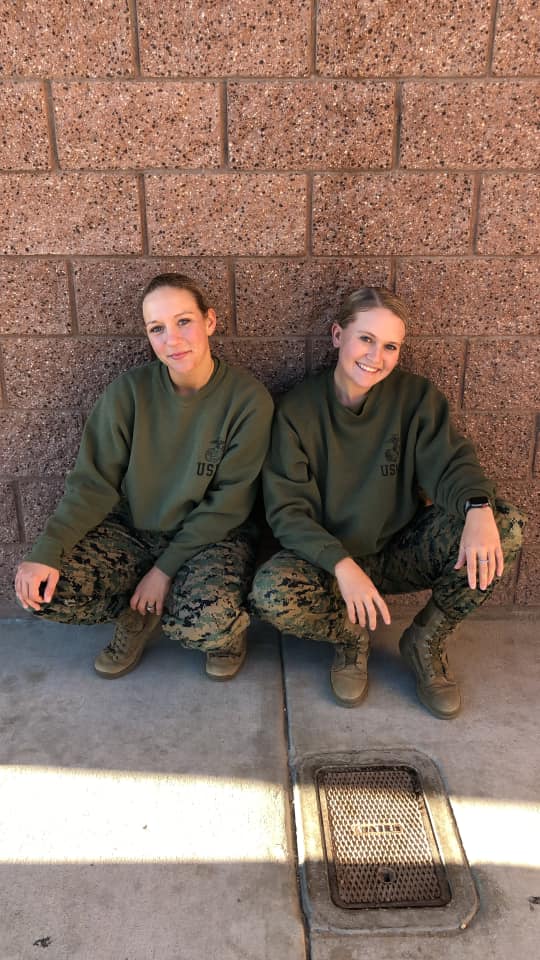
x: 93, y: 486
x: 231, y: 495
x: 293, y: 500
x: 446, y: 463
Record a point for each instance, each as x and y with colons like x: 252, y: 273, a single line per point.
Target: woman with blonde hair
x: 356, y: 452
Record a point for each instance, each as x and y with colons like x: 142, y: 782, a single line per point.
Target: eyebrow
x: 183, y: 313
x: 396, y: 343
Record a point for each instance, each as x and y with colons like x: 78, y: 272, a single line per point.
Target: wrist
x: 477, y: 503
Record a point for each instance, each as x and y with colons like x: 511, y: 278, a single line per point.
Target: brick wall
x: 284, y: 151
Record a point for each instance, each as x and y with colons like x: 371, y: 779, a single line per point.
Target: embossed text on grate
x: 379, y: 842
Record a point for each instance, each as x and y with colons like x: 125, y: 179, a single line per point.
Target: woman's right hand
x: 28, y: 580
x: 360, y: 594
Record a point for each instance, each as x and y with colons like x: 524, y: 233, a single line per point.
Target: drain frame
x: 323, y: 914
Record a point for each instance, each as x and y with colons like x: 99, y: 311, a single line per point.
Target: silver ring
x: 150, y: 607
x: 483, y: 561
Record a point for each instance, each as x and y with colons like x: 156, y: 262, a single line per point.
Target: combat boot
x: 225, y: 664
x: 348, y: 675
x: 423, y: 648
x: 126, y: 647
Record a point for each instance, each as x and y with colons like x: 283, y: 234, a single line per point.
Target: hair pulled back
x: 367, y: 298
x: 180, y: 281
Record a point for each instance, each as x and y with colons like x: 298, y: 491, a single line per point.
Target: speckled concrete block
x: 503, y: 372
x: 298, y: 297
x: 323, y: 354
x: 528, y: 587
x: 381, y: 214
x: 505, y: 588
x: 249, y: 214
x: 279, y: 365
x: 517, y: 37
x: 473, y: 296
x: 475, y: 124
x: 73, y: 213
x: 108, y: 291
x: 143, y: 124
x: 69, y: 372
x: 38, y: 499
x: 34, y: 297
x: 441, y: 361
x: 38, y: 442
x: 388, y: 38
x: 24, y: 140
x: 316, y: 124
x: 10, y: 557
x: 210, y: 38
x: 502, y: 442
x: 9, y: 527
x: 508, y: 217
x: 65, y: 38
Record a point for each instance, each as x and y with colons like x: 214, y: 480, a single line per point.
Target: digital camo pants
x: 299, y: 598
x: 205, y: 606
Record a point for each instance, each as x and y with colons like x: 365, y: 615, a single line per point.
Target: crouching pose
x: 154, y: 522
x: 357, y: 453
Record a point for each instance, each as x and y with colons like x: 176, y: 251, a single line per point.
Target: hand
x: 480, y: 541
x: 151, y: 592
x: 360, y: 594
x: 28, y: 580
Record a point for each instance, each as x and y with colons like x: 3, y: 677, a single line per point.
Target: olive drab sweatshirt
x: 185, y: 465
x: 339, y: 483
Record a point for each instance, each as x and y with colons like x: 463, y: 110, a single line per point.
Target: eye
x: 392, y: 346
x: 156, y: 329
x: 365, y: 338
x: 183, y: 321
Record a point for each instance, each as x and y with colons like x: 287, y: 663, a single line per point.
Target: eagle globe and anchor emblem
x: 391, y: 455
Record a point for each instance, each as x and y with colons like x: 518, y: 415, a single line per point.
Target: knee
x: 510, y: 522
x: 267, y: 591
x: 200, y: 625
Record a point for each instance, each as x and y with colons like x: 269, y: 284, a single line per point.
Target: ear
x: 336, y: 334
x: 211, y: 321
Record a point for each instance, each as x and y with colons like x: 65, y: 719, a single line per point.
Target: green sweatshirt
x: 187, y: 466
x: 339, y: 483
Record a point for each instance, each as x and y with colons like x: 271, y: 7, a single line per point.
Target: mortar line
x: 51, y: 125
x: 72, y: 297
x: 224, y: 117
x: 141, y: 192
x: 134, y: 29
x: 492, y: 31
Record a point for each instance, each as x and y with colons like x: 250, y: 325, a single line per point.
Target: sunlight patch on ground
x: 60, y: 815
x: 499, y: 832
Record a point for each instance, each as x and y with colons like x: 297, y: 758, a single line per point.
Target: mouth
x: 178, y: 356
x: 366, y: 367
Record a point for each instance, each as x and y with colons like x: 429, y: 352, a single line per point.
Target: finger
x: 490, y: 567
x: 385, y: 613
x: 461, y: 559
x: 471, y: 569
x: 371, y: 613
x: 483, y: 573
x: 499, y: 560
x: 356, y: 613
x: 50, y: 586
x: 134, y: 600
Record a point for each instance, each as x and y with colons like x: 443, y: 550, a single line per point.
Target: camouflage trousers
x: 206, y: 604
x: 300, y: 598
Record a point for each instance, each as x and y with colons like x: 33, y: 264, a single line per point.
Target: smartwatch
x: 476, y: 502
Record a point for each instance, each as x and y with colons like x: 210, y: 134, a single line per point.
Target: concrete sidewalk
x: 149, y: 818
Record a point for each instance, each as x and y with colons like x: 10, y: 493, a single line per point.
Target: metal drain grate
x: 380, y: 846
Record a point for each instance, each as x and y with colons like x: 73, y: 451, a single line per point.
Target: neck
x: 347, y: 397
x: 194, y: 381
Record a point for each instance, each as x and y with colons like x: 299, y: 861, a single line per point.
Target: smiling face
x: 178, y: 332
x: 368, y: 352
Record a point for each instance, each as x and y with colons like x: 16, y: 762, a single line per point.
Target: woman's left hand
x: 480, y: 548
x: 150, y: 592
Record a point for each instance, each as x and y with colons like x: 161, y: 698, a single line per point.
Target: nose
x: 375, y: 352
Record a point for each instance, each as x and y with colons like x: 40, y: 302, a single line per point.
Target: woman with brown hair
x: 154, y: 525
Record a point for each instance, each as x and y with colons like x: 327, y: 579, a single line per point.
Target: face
x: 178, y: 332
x: 368, y: 350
